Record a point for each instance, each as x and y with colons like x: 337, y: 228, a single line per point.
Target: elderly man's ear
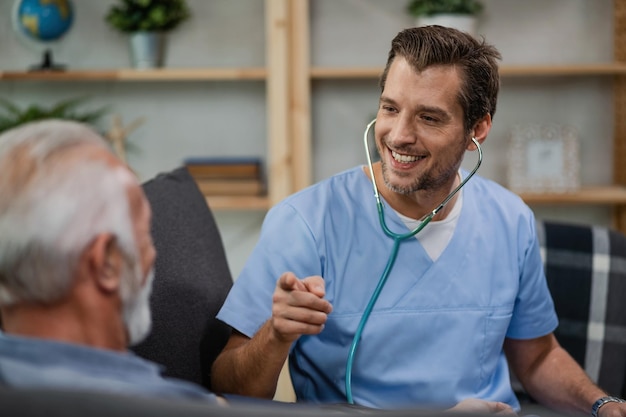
x: 104, y: 261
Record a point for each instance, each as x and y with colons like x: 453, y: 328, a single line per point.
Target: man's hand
x: 476, y: 406
x: 298, y: 306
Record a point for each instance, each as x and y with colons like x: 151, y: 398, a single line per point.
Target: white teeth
x: 404, y: 158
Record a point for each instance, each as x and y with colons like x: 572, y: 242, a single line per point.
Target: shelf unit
x: 160, y: 75
x: 165, y: 74
x: 274, y: 74
x: 610, y: 194
x: 288, y: 75
x: 613, y: 195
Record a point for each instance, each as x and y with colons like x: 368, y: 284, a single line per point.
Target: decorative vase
x: 147, y: 49
x: 465, y: 23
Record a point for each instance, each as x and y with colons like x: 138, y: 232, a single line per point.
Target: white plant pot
x: 461, y: 22
x: 147, y: 49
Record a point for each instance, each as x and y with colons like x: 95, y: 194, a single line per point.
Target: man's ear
x: 480, y: 131
x: 105, y: 262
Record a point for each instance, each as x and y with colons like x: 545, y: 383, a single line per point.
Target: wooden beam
x: 619, y: 122
x: 278, y: 82
x: 300, y: 103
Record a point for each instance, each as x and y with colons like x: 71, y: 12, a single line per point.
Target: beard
x: 433, y: 179
x: 427, y: 181
x: 136, y: 303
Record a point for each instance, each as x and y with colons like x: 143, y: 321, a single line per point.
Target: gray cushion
x: 191, y: 281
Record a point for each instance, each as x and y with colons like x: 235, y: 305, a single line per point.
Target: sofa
x: 585, y: 269
x: 191, y: 282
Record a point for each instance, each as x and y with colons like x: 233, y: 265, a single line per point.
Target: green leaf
x: 13, y: 116
x: 418, y: 8
x: 147, y: 15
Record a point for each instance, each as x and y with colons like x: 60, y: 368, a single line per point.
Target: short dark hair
x: 426, y: 46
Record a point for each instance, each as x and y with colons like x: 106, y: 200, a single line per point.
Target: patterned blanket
x: 586, y: 272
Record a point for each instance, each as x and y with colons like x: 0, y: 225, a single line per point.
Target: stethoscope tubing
x: 397, y: 239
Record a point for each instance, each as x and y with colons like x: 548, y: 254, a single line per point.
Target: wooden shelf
x: 238, y: 202
x: 505, y: 71
x: 347, y: 72
x: 608, y: 195
x: 240, y: 74
x: 563, y: 70
x: 164, y: 74
x: 600, y: 195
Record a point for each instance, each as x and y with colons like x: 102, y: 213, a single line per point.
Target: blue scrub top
x: 436, y: 332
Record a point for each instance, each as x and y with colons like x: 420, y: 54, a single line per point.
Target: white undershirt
x: 437, y: 234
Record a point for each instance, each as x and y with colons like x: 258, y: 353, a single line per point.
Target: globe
x: 42, y: 22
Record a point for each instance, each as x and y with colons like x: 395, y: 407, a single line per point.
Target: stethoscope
x: 397, y: 238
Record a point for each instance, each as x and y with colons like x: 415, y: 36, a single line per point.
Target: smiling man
x: 448, y: 303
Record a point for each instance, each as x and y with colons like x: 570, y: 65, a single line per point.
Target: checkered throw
x: 586, y: 273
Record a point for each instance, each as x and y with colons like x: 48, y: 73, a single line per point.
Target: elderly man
x: 76, y: 260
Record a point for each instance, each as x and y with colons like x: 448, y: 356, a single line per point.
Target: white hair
x: 52, y: 206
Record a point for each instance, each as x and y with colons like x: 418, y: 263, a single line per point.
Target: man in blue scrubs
x: 464, y: 292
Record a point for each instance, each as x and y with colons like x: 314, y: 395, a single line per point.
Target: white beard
x: 136, y: 305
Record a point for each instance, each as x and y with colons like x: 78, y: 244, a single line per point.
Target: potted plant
x: 12, y: 115
x: 147, y: 22
x: 460, y: 14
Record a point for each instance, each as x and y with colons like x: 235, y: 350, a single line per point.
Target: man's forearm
x: 252, y: 368
x: 560, y: 383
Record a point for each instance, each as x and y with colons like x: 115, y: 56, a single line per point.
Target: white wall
x: 228, y: 118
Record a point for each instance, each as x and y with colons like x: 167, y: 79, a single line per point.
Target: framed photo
x: 543, y: 158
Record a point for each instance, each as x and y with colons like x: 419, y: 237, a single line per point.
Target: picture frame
x: 543, y: 158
